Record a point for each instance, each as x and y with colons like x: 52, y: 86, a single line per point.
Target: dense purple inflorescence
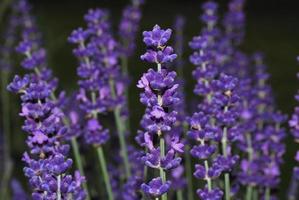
x: 47, y: 162
x: 129, y: 26
x: 159, y: 96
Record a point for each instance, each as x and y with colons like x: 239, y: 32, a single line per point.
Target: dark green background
x: 272, y: 27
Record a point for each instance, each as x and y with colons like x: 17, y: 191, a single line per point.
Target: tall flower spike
x: 159, y: 97
x: 128, y: 27
x: 215, y: 122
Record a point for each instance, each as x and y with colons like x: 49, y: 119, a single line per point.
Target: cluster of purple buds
x: 215, y: 123
x: 47, y: 163
x: 159, y: 97
x: 98, y: 58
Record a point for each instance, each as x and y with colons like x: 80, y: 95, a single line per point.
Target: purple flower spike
x: 160, y: 96
x: 156, y: 187
x: 47, y: 164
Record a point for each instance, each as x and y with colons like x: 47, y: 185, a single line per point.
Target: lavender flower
x: 48, y: 163
x: 159, y: 96
x: 129, y: 26
x: 215, y: 122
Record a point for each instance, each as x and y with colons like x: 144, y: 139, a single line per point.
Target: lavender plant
x: 235, y: 135
x: 159, y: 96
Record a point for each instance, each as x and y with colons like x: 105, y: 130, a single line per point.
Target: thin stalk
x: 188, y: 168
x: 58, y: 187
x: 267, y: 193
x: 249, y: 188
x: 145, y: 170
x: 249, y: 194
x: 105, y: 172
x: 226, y: 175
x: 255, y: 194
x: 179, y: 194
x: 6, y: 134
x: 162, y: 172
x: 125, y: 72
x: 121, y: 132
x: 79, y: 164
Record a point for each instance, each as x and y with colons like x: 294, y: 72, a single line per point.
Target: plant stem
x: 188, y: 168
x: 78, y: 161
x: 179, y: 194
x: 162, y: 172
x: 105, y: 172
x: 125, y: 71
x: 145, y: 169
x: 121, y: 132
x: 226, y: 175
x: 6, y: 134
x: 249, y: 190
x: 59, y: 187
x: 267, y: 193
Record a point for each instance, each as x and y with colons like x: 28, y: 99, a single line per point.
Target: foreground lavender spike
x: 47, y: 162
x: 37, y: 63
x: 160, y: 97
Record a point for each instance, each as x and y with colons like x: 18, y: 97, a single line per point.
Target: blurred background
x: 272, y: 27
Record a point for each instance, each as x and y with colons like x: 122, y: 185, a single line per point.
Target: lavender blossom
x: 160, y: 97
x: 129, y: 26
x: 215, y: 121
x: 48, y: 163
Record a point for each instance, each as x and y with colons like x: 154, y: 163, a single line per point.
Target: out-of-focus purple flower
x: 18, y: 191
x: 128, y: 27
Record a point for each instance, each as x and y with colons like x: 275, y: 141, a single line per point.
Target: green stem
x: 179, y: 194
x: 145, y: 170
x: 249, y: 190
x: 121, y: 132
x: 58, y: 187
x: 188, y: 168
x: 125, y: 71
x: 226, y: 175
x: 267, y: 193
x: 79, y: 164
x: 255, y: 194
x: 105, y: 172
x: 162, y: 172
x: 6, y: 134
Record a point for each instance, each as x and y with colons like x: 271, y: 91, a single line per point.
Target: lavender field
x: 148, y: 99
